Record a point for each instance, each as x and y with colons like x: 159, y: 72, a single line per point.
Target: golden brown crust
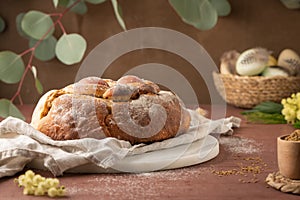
x: 130, y: 109
x: 40, y: 108
x: 92, y: 86
x: 49, y: 100
x: 138, y: 127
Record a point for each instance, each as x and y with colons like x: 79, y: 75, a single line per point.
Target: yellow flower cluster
x: 291, y: 108
x: 35, y: 184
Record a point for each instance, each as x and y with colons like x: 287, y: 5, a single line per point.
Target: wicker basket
x: 248, y: 91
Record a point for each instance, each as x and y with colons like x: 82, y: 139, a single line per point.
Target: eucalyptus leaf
x: 45, y: 50
x: 36, y: 24
x: 55, y: 3
x: 2, y: 24
x: 291, y: 4
x: 70, y: 48
x: 199, y: 13
x: 222, y: 6
x: 208, y: 16
x: 79, y: 8
x: 19, y: 28
x: 118, y: 13
x: 7, y: 108
x: 63, y: 3
x: 95, y: 1
x: 38, y: 86
x: 11, y: 67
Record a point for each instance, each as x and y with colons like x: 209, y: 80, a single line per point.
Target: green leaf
x: 11, y: 67
x: 199, y: 13
x: 79, y: 8
x: 95, y: 1
x: 267, y: 107
x: 265, y: 118
x: 222, y: 6
x: 70, y: 48
x: 63, y: 3
x: 38, y: 86
x: 291, y: 4
x: 55, y: 3
x: 297, y: 124
x: 7, y: 108
x: 118, y: 13
x: 36, y: 24
x: 19, y: 28
x: 2, y: 24
x: 45, y: 50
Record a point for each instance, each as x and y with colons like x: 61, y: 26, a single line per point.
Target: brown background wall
x: 252, y: 23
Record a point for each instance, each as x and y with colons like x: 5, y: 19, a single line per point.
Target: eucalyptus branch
x: 61, y: 27
x: 32, y: 49
x: 22, y: 79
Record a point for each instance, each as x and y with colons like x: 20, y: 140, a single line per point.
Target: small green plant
x: 286, y: 112
x: 38, y: 28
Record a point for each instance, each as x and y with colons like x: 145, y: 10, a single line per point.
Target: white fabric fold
x: 21, y: 144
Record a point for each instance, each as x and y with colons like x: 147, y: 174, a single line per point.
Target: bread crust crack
x: 130, y: 109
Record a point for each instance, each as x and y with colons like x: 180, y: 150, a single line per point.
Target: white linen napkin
x: 21, y: 144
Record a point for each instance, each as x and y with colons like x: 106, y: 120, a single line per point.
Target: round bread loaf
x: 130, y: 109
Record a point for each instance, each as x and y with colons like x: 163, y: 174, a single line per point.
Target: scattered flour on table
x: 112, y: 185
x: 240, y: 145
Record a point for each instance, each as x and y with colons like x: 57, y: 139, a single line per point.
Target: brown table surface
x: 251, y: 145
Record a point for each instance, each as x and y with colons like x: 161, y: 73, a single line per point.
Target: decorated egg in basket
x: 289, y: 60
x: 252, y: 62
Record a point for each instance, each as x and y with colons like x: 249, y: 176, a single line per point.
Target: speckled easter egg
x: 252, y: 62
x: 289, y: 60
x: 272, y: 71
